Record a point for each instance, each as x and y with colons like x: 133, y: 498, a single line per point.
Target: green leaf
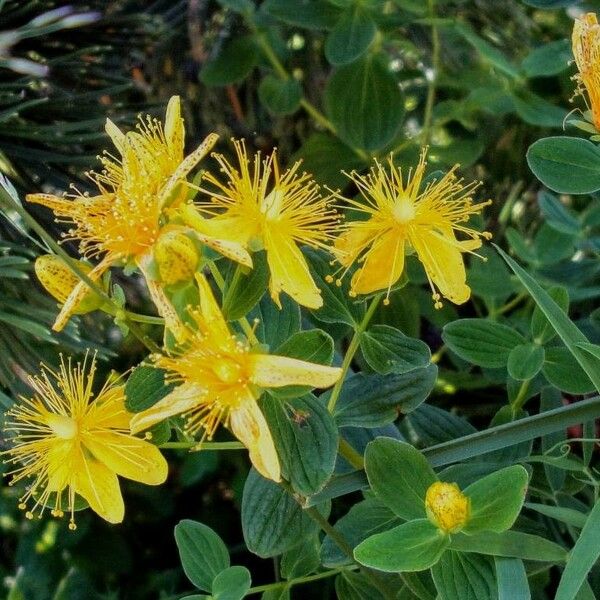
x: 563, y: 371
x: 302, y: 559
x: 432, y: 425
x: 364, y: 519
x: 244, y: 290
x: 337, y: 305
x: 549, y: 59
x: 566, y: 329
x: 551, y: 398
x: 145, y: 387
x: 272, y: 521
x: 496, y: 500
x: 325, y: 156
x: 512, y: 544
x: 350, y: 585
x: 525, y: 361
x: 234, y: 62
x: 388, y: 350
x: 202, y: 552
x: 312, y: 14
x: 365, y: 103
x: 280, y: 96
x: 567, y: 165
x: 231, y: 584
x: 569, y: 516
x: 486, y: 50
x: 557, y: 215
x: 399, y: 475
x: 581, y: 558
x: 306, y: 439
x: 460, y: 576
x: 481, y: 342
x: 276, y: 325
x: 412, y: 546
x: 512, y: 579
x: 351, y: 36
x: 542, y: 330
x: 536, y: 111
x: 374, y: 400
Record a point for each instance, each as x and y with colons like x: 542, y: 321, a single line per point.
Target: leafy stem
x: 352, y: 348
x: 435, y: 68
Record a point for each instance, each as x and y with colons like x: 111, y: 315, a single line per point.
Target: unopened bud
x: 176, y: 257
x: 58, y: 280
x: 447, y: 507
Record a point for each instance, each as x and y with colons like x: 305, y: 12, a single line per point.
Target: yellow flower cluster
x: 70, y: 443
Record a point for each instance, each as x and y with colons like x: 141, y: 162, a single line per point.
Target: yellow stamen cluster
x: 586, y: 50
x: 402, y: 216
x: 69, y: 444
x: 447, y: 507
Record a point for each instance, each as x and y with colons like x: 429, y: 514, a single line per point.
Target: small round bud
x: 176, y: 257
x: 447, y: 507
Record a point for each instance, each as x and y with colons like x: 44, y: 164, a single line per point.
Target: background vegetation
x: 336, y: 83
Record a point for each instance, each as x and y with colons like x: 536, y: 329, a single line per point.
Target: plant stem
x: 341, y: 542
x: 150, y: 320
x: 350, y: 454
x: 244, y: 324
x: 72, y: 265
x: 298, y: 580
x: 435, y: 68
x: 509, y: 305
x: 521, y: 397
x: 281, y: 71
x: 352, y: 348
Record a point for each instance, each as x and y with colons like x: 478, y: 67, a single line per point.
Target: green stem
x: 350, y: 454
x: 72, y: 265
x: 352, y: 348
x: 148, y: 319
x: 282, y: 72
x: 509, y: 305
x: 244, y: 324
x: 341, y: 542
x: 298, y: 580
x: 521, y: 397
x: 204, y: 446
x: 435, y: 67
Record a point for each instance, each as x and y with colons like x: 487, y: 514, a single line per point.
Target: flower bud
x: 58, y: 280
x: 176, y: 257
x: 447, y: 507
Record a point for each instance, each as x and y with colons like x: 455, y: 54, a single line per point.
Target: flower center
x: 62, y: 426
x: 227, y: 371
x: 404, y: 210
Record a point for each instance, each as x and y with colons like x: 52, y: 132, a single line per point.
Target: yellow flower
x: 124, y: 221
x: 58, y: 280
x: 586, y: 49
x: 68, y: 445
x: 221, y: 379
x: 400, y: 217
x: 447, y: 507
x: 262, y: 208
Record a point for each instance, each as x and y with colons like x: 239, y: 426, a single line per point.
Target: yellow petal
x: 109, y: 410
x: 100, y: 487
x: 289, y: 270
x: 349, y: 245
x: 210, y: 311
x: 128, y: 456
x: 249, y: 425
x: 383, y: 265
x: 268, y: 371
x: 442, y: 259
x: 78, y: 294
x: 61, y: 457
x: 228, y: 236
x: 161, y: 301
x: 116, y: 135
x: 180, y: 400
x: 174, y: 129
x: 188, y: 163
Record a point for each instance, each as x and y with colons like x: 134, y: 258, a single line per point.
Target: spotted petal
x: 271, y: 371
x: 249, y: 425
